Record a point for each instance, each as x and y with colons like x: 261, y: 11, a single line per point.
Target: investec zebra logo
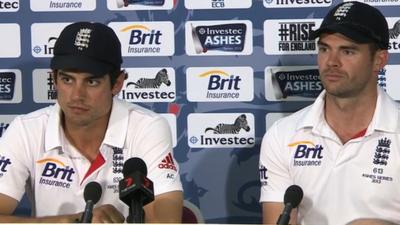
x: 149, y: 85
x: 55, y: 173
x: 146, y: 38
x: 219, y: 37
x: 220, y: 84
x: 224, y: 130
x: 394, y: 34
x: 43, y: 38
x: 285, y: 36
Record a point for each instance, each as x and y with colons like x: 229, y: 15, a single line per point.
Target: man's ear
x: 119, y: 82
x: 381, y: 59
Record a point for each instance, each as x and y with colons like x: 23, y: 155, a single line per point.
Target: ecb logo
x: 218, y: 3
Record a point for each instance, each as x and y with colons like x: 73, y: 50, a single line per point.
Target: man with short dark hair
x: 87, y: 136
x: 343, y: 150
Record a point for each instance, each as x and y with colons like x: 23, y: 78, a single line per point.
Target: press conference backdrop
x: 220, y: 71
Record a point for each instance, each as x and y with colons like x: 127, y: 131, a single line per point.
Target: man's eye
x: 66, y: 79
x: 348, y: 52
x: 93, y: 82
x: 322, y: 49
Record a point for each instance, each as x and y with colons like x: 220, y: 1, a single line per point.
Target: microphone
x: 135, y: 190
x: 92, y: 195
x: 291, y: 199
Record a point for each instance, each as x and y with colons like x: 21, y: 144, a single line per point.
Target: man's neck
x: 349, y: 116
x: 87, y: 139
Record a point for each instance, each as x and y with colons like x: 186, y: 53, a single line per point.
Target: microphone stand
x: 88, y: 213
x: 136, y: 212
x: 284, y: 218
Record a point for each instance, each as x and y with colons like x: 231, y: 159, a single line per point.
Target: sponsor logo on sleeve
x: 218, y: 38
x: 5, y: 121
x: 221, y: 130
x: 55, y: 173
x: 4, y: 164
x: 219, y: 84
x: 146, y: 38
x: 3, y: 128
x: 149, y: 85
x: 167, y: 163
x: 263, y: 175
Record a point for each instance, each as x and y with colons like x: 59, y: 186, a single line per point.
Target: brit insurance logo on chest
x: 54, y: 172
x: 306, y: 153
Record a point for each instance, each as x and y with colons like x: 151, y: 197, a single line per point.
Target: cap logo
x: 342, y: 11
x: 82, y: 38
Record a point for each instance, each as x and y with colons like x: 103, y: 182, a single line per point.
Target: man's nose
x: 78, y: 91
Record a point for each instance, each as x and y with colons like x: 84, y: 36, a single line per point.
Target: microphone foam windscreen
x: 293, y: 195
x: 92, y: 192
x: 134, y: 164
